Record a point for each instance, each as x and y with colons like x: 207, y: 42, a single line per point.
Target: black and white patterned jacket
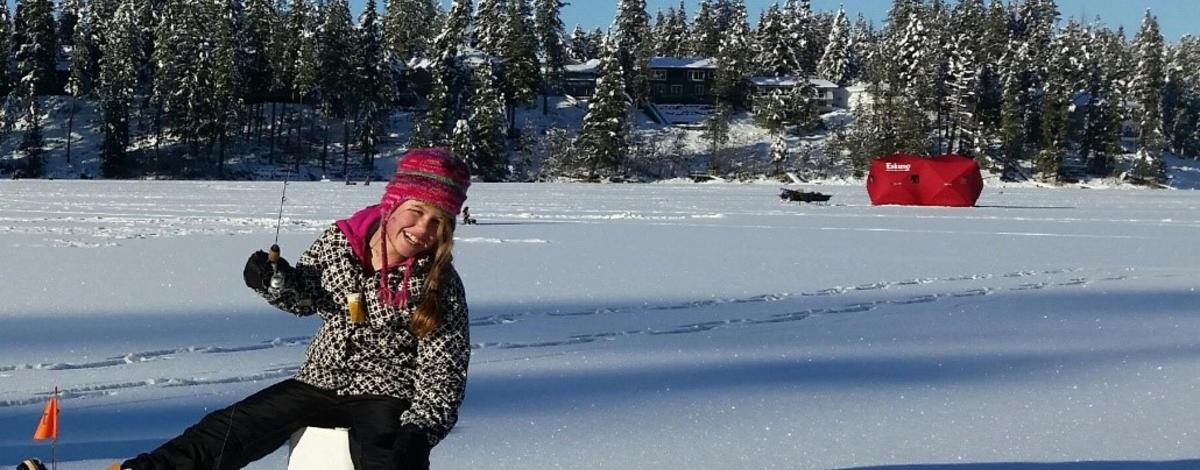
x: 380, y: 356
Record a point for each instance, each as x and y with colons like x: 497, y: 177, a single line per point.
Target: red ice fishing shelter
x: 947, y: 180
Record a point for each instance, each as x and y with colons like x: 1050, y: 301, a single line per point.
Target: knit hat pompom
x: 430, y: 175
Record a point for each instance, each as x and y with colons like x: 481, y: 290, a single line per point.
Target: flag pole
x: 54, y: 442
x: 48, y: 427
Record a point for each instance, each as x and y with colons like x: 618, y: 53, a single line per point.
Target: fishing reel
x: 277, y: 277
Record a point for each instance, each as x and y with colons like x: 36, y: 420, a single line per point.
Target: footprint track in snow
x: 134, y: 358
x: 110, y: 389
x: 508, y: 318
x: 858, y: 307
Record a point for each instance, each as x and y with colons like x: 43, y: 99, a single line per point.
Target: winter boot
x: 32, y: 464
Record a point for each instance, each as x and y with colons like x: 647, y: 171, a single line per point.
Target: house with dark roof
x: 681, y: 80
x: 823, y: 90
x: 692, y: 80
x: 579, y: 80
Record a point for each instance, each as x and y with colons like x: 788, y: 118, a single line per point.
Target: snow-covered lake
x: 646, y: 326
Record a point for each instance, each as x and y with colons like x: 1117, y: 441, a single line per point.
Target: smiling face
x: 413, y: 229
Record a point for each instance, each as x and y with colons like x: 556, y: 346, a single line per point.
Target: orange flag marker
x: 48, y: 427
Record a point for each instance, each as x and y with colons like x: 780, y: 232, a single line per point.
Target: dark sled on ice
x: 800, y: 195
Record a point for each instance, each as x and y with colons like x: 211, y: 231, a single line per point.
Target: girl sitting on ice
x: 389, y: 360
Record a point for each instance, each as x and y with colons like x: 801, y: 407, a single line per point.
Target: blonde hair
x: 428, y: 315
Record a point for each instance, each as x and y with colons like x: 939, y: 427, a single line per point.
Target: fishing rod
x: 274, y: 253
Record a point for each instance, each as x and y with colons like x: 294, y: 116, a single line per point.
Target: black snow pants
x: 250, y: 429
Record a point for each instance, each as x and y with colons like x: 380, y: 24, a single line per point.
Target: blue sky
x: 1175, y: 17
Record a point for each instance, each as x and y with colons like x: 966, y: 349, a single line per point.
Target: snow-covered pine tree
x: 958, y: 125
x: 335, y: 71
x: 374, y: 85
x: 771, y: 110
x: 602, y: 138
x: 1034, y: 26
x: 32, y: 140
x: 911, y: 97
x: 863, y: 44
x: 6, y: 47
x: 658, y: 35
x: 679, y: 33
x: 1183, y: 81
x: 835, y: 62
x: 915, y: 77
x: 69, y: 12
x: 579, y: 49
x: 408, y: 26
x: 490, y: 23
x: 716, y: 132
x: 220, y: 74
x: 990, y: 53
x: 258, y: 32
x: 461, y: 143
x: 802, y: 109
x: 595, y: 42
x: 292, y: 31
x: 302, y: 26
x: 779, y: 152
x: 937, y: 22
x: 553, y: 47
x: 670, y: 32
x: 962, y: 71
x: 431, y: 130
x: 631, y: 35
x: 175, y: 49
x: 35, y: 46
x: 863, y: 140
x: 892, y: 122
x: 1056, y: 101
x: 115, y: 88
x: 33, y: 33
x: 445, y: 87
x: 807, y: 38
x: 147, y: 20
x: 100, y: 13
x: 1014, y: 107
x: 78, y: 83
x: 822, y: 25
x: 773, y: 51
x: 1101, y: 141
x: 1122, y: 61
x: 518, y: 50
x: 454, y: 30
x: 281, y: 57
x: 488, y: 152
x: 706, y: 36
x: 1078, y: 48
x: 734, y: 62
x: 1188, y: 124
x: 335, y: 55
x: 1172, y: 92
x: 1146, y: 92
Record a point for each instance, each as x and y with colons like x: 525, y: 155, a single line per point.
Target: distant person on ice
x: 389, y: 361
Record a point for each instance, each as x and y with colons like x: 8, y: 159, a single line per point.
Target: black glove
x: 258, y: 271
x: 411, y: 450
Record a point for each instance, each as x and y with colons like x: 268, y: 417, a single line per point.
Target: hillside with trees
x: 247, y: 89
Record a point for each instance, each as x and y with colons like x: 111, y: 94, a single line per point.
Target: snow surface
x: 646, y: 326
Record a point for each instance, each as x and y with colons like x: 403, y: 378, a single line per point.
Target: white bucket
x: 320, y: 449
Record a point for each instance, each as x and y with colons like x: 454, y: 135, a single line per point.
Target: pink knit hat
x: 434, y: 176
x: 431, y: 175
